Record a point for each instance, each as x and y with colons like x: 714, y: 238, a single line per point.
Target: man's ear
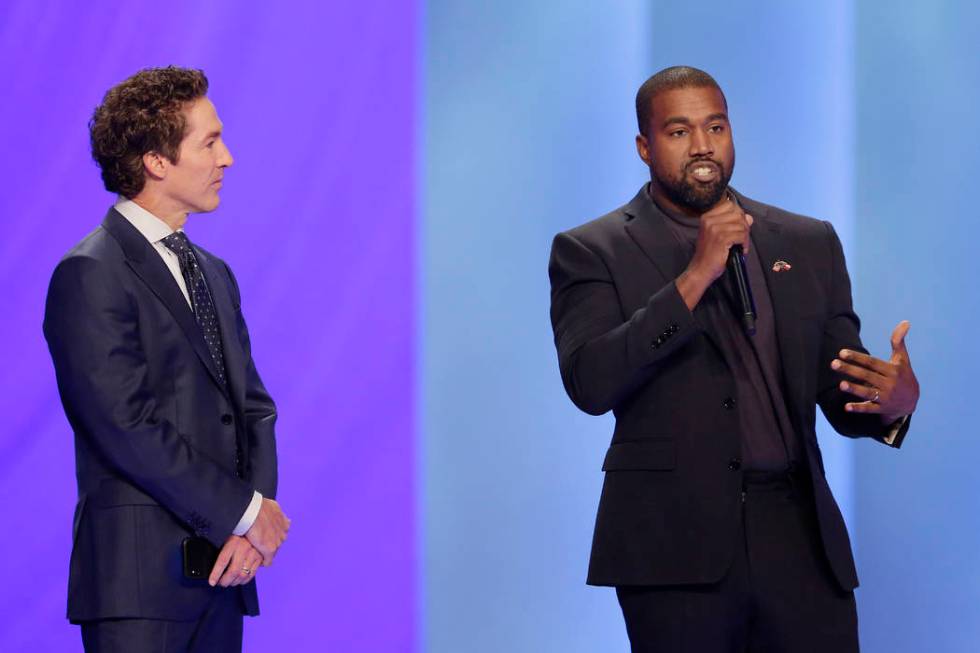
x: 643, y: 148
x: 156, y: 165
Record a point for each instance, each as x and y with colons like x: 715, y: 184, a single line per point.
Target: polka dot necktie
x: 201, y: 302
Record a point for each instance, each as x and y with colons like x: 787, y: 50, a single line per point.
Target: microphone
x: 740, y: 277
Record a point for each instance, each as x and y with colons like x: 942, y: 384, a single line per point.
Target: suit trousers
x: 218, y: 630
x: 779, y: 596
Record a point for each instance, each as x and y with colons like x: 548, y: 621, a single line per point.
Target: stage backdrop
x: 318, y: 104
x: 401, y: 167
x: 529, y: 129
x: 917, y: 152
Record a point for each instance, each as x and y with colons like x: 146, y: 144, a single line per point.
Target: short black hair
x: 669, y: 79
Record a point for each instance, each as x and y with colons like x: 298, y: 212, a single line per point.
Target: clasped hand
x: 237, y: 563
x: 268, y: 531
x: 888, y: 388
x: 240, y: 557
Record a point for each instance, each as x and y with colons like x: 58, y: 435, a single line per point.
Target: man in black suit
x: 716, y: 524
x: 174, y: 432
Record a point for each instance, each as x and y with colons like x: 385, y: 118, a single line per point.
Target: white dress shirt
x: 155, y: 230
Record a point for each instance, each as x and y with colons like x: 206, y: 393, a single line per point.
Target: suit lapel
x: 647, y: 227
x: 227, y: 324
x: 230, y: 344
x: 772, y: 247
x: 146, y: 263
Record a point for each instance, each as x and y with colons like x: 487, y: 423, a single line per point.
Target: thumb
x: 898, y: 339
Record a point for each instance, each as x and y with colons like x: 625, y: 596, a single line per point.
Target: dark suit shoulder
x: 596, y: 227
x: 603, y: 232
x: 94, y: 261
x: 99, y: 244
x: 91, y: 274
x: 795, y: 224
x: 223, y: 268
x: 217, y: 260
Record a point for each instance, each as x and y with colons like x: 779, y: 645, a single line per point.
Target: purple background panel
x: 317, y: 222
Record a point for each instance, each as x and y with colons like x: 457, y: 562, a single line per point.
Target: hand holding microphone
x: 722, y: 228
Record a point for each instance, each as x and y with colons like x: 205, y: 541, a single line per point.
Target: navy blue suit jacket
x: 163, y: 451
x: 628, y: 343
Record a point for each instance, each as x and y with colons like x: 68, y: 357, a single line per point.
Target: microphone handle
x: 736, y: 265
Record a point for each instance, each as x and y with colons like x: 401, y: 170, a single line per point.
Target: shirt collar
x: 687, y: 221
x: 153, y: 228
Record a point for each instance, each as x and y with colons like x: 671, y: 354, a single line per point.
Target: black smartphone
x: 199, y: 557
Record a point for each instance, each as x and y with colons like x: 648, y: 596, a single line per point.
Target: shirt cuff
x: 895, y: 428
x: 251, y: 513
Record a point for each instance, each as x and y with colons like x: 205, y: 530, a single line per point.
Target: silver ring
x: 246, y: 571
x: 877, y: 396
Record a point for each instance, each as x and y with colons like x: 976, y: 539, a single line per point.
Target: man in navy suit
x: 716, y: 524
x: 174, y: 432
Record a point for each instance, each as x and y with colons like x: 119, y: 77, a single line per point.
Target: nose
x: 700, y: 144
x: 226, y: 158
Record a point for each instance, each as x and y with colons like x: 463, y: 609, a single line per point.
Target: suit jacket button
x: 226, y: 419
x: 729, y: 403
x: 734, y: 464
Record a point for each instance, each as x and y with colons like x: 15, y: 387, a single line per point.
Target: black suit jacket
x: 627, y: 343
x: 162, y: 450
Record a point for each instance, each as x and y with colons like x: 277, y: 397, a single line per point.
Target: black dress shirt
x: 768, y: 440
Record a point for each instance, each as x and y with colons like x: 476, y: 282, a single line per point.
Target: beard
x: 694, y: 195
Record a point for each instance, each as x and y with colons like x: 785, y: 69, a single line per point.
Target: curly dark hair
x: 139, y: 115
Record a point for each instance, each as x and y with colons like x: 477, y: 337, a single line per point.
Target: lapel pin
x: 781, y: 266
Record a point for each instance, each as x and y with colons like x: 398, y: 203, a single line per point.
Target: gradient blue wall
x: 529, y: 127
x: 528, y: 130
x: 916, y: 157
x: 853, y: 111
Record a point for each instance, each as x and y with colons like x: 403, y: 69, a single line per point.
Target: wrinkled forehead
x: 692, y: 104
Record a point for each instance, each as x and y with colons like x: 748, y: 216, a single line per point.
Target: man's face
x: 689, y: 148
x: 192, y: 183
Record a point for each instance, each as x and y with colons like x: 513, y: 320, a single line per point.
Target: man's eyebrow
x: 681, y: 120
x: 684, y: 120
x: 214, y: 133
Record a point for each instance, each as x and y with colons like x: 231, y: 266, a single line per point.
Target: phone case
x: 199, y: 557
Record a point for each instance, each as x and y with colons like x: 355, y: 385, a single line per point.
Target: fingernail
x: 843, y: 353
x: 848, y: 407
x: 843, y: 385
x: 835, y: 364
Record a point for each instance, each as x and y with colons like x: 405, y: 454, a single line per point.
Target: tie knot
x: 177, y: 242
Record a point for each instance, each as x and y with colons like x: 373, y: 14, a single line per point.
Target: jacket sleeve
x: 842, y: 330
x: 92, y: 328
x: 260, y: 411
x: 603, y: 357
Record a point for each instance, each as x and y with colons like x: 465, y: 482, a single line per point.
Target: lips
x: 704, y: 171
